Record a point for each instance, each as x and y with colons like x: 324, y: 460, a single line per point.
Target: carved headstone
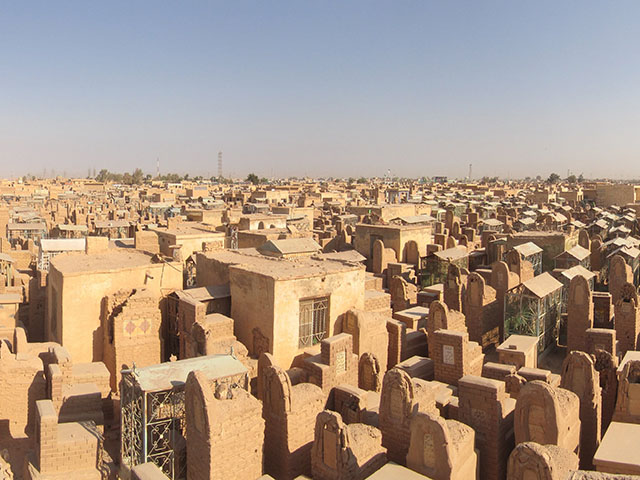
x: 441, y: 449
x: 547, y: 415
x: 579, y: 313
x: 580, y: 376
x: 532, y: 461
x: 369, y: 372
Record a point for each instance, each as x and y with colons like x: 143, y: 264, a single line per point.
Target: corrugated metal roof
x: 73, y: 228
x: 578, y: 252
x: 27, y: 226
x: 578, y: 270
x: 6, y: 258
x: 168, y: 375
x: 454, y: 253
x: 492, y: 222
x: 631, y: 252
x: 542, y: 285
x: 527, y: 249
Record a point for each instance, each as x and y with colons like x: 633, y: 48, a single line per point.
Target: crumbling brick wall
x: 22, y: 383
x: 485, y: 406
x: 131, y: 324
x: 336, y: 364
x: 225, y: 431
x: 401, y: 396
x: 289, y: 412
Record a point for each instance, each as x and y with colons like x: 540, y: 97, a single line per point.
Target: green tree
x: 137, y: 176
x: 103, y: 176
x: 572, y: 179
x: 553, y: 178
x: 253, y: 178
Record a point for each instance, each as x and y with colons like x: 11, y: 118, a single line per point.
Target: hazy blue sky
x: 342, y: 88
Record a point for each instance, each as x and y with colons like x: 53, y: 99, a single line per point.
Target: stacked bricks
x: 222, y: 427
x: 132, y: 332
x: 454, y: 356
x: 66, y: 447
x: 190, y: 311
x: 369, y: 333
x: 401, y: 396
x: 376, y: 300
x: 483, y: 312
x: 601, y: 339
x: 579, y: 313
x: 397, y: 342
x: 22, y: 383
x: 336, y: 364
x: 214, y: 335
x: 580, y: 376
x: 485, y: 406
x: 627, y: 319
x: 289, y: 413
x: 498, y: 371
x: 602, y: 310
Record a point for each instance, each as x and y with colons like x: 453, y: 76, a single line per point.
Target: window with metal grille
x: 313, y: 321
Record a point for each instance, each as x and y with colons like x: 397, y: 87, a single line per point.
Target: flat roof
x: 73, y: 228
x: 168, y: 375
x: 518, y: 343
x: 250, y: 260
x: 492, y: 222
x: 27, y: 226
x: 184, y: 230
x: 204, y: 294
x: 618, y: 450
x: 394, y: 226
x: 112, y: 223
x: 289, y: 246
x: 63, y: 244
x: 348, y: 255
x: 10, y: 298
x: 630, y: 355
x: 415, y: 219
x: 110, y: 260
